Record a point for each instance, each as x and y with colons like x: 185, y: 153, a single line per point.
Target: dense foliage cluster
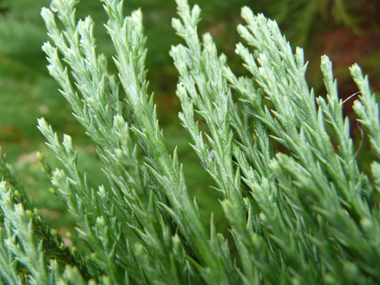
x: 307, y: 216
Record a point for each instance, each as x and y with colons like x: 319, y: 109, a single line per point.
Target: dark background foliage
x: 347, y: 31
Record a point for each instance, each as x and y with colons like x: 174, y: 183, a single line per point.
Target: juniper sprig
x: 307, y: 216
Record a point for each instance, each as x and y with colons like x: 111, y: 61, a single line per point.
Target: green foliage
x: 307, y: 216
x: 299, y: 16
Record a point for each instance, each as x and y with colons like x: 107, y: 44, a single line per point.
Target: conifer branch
x: 309, y: 216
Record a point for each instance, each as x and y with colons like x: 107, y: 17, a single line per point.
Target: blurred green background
x: 348, y: 31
